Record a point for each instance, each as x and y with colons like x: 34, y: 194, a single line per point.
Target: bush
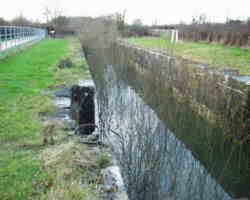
x: 65, y: 63
x: 136, y: 31
x: 226, y: 34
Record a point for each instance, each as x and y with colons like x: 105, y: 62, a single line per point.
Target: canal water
x: 155, y: 165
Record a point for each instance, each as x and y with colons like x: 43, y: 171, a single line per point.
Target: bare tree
x: 3, y: 22
x: 47, y: 14
x: 21, y: 21
x: 50, y: 15
x: 137, y: 22
x: 120, y: 20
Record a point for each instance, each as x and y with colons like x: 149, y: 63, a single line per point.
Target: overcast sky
x: 162, y: 11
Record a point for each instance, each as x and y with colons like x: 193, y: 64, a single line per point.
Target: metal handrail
x: 14, y: 36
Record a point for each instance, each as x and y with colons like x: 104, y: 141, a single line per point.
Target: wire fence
x: 15, y: 36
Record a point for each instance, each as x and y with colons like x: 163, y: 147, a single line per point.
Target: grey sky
x: 163, y: 11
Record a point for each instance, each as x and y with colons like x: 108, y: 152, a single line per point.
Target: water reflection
x: 155, y: 165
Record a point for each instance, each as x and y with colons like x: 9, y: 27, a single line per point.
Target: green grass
x: 215, y: 55
x: 22, y: 77
x: 28, y: 72
x: 24, y: 170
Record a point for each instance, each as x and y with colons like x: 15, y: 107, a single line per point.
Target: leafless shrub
x: 3, y: 22
x: 226, y: 34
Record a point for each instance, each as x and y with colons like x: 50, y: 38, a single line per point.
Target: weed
x: 103, y: 160
x: 65, y: 63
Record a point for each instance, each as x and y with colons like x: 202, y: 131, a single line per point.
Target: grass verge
x: 23, y: 170
x: 213, y: 54
x: 22, y: 76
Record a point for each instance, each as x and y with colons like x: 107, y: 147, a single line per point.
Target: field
x: 213, y: 54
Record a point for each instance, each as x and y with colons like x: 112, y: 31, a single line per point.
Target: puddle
x: 62, y: 102
x: 245, y: 79
x: 86, y: 83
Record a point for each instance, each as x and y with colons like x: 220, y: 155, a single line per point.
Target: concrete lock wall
x: 211, y: 93
x: 205, y: 109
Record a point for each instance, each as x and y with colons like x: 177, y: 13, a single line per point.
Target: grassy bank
x: 21, y: 78
x: 213, y: 54
x: 30, y: 169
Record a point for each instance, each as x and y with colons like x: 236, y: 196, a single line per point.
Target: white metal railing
x: 14, y: 36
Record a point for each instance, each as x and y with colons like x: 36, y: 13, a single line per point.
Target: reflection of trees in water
x: 154, y: 163
x: 164, y: 85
